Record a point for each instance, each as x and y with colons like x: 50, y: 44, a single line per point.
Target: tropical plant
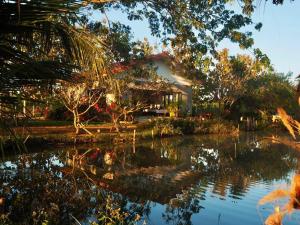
x: 293, y: 126
x: 186, y: 126
x: 41, y: 41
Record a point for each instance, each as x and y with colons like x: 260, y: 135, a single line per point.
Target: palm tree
x: 42, y: 41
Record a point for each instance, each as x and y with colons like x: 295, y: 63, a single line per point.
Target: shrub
x: 175, y: 126
x: 59, y: 113
x: 164, y: 127
x: 216, y: 127
x: 186, y: 126
x: 171, y: 126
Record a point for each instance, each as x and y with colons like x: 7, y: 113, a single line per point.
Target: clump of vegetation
x: 165, y: 127
x: 173, y: 126
x: 5, y: 220
x: 216, y: 127
x: 58, y: 112
x: 186, y: 126
x: 173, y: 109
x: 111, y: 213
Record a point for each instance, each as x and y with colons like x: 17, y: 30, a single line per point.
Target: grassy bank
x: 39, y: 135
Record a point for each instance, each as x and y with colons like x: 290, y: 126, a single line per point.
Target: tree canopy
x: 44, y: 40
x: 30, y: 30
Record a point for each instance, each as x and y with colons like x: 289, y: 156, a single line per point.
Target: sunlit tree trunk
x: 76, y: 121
x: 115, y: 120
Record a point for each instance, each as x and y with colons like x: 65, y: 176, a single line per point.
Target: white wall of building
x: 164, y: 70
x: 185, y: 85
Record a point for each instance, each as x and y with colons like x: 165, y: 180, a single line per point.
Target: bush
x: 186, y: 126
x: 216, y: 127
x: 164, y: 127
x: 176, y: 126
x: 171, y: 126
x: 59, y: 113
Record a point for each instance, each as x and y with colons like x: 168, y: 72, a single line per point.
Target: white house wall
x: 185, y: 85
x: 166, y: 73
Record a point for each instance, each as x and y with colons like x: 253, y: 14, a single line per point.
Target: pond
x: 182, y: 180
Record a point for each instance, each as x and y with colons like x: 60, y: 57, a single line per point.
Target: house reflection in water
x: 182, y: 179
x: 161, y: 171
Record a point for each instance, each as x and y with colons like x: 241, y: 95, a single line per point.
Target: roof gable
x: 164, y: 69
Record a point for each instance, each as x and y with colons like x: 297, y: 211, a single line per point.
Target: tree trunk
x: 115, y: 121
x: 76, y: 121
x: 116, y: 125
x: 219, y: 105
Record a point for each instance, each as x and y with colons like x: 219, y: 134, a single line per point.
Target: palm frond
x: 287, y: 121
x: 40, y: 43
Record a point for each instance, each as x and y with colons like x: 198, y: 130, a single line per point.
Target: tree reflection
x: 76, y: 183
x: 237, y: 168
x: 36, y: 189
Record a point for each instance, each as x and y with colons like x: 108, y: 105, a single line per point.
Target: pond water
x: 182, y: 180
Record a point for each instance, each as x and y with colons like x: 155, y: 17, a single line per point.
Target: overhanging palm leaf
x: 39, y: 43
x: 30, y: 32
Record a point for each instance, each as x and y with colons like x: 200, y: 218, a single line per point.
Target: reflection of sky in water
x: 203, y: 160
x: 55, y: 161
x: 231, y: 209
x: 8, y: 164
x: 233, y: 176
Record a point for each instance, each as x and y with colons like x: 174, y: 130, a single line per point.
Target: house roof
x: 122, y: 67
x: 161, y: 57
x: 151, y: 86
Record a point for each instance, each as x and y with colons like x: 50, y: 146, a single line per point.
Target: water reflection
x: 176, y: 181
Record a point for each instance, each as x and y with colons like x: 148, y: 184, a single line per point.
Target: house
x: 170, y: 89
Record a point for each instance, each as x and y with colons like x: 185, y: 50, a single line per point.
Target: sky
x: 279, y: 37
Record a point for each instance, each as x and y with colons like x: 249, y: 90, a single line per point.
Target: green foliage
x: 192, y: 29
x: 245, y: 86
x: 118, y: 37
x: 263, y: 121
x: 248, y: 6
x: 171, y: 126
x: 177, y: 21
x: 142, y: 49
x: 173, y: 109
x: 186, y: 126
x: 272, y: 91
x: 110, y: 213
x: 164, y: 127
x: 216, y: 127
x: 39, y: 43
x: 59, y: 112
x: 178, y: 126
